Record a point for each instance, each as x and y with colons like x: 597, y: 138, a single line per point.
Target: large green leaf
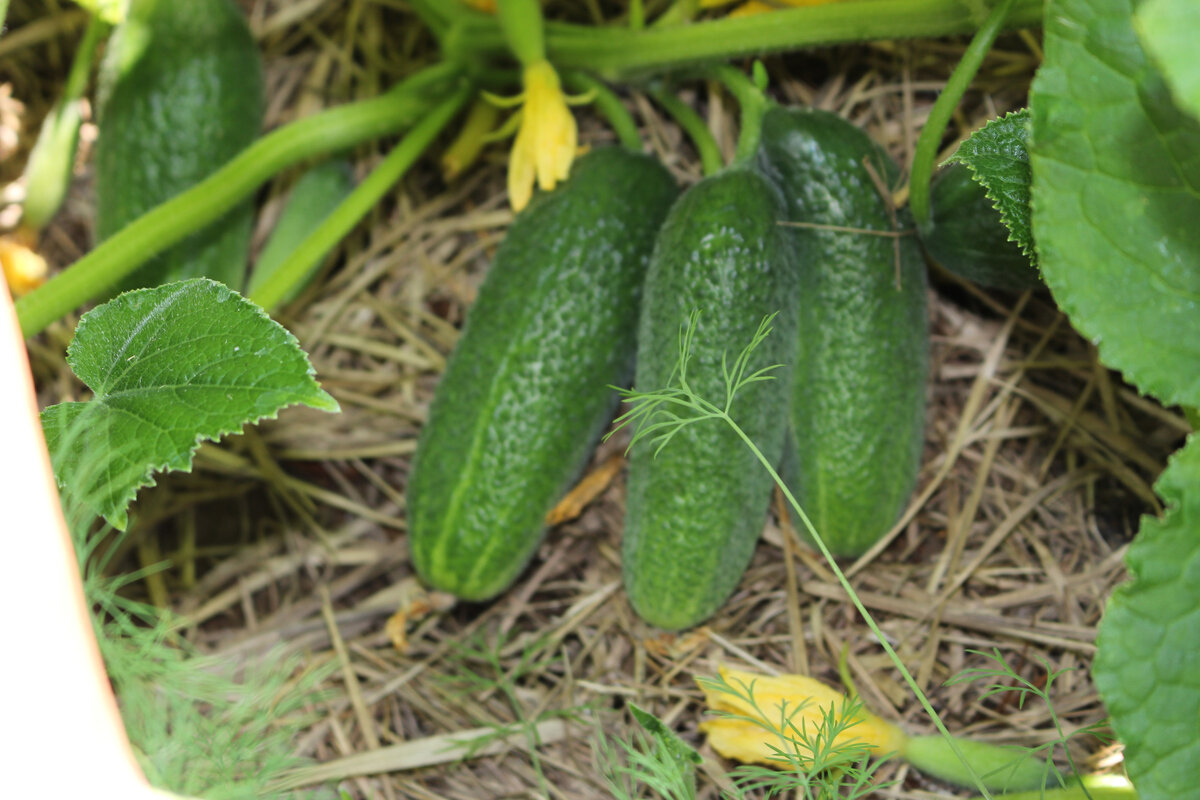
x: 1116, y: 197
x: 1169, y: 30
x: 1147, y: 665
x: 998, y: 158
x: 170, y: 367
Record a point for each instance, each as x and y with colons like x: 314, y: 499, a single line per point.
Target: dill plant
x: 199, y: 725
x: 655, y: 416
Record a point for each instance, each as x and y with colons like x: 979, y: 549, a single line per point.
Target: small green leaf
x: 1168, y: 30
x: 998, y: 159
x: 678, y: 749
x: 1146, y: 666
x: 170, y: 367
x: 1116, y: 198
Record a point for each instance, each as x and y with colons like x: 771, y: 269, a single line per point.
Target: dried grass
x: 1037, y: 464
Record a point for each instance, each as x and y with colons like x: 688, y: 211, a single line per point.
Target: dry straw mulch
x: 1038, y: 462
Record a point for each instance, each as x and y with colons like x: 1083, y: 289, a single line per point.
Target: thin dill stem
x: 862, y: 610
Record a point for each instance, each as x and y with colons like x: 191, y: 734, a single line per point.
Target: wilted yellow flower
x: 546, y: 141
x: 760, y: 6
x: 805, y: 701
x: 24, y: 270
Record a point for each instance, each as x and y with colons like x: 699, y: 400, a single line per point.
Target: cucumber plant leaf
x: 1168, y: 30
x: 1146, y: 666
x: 1116, y: 197
x: 998, y: 158
x: 169, y: 367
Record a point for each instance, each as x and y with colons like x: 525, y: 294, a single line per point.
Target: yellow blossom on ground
x: 24, y: 270
x: 546, y: 141
x: 807, y: 704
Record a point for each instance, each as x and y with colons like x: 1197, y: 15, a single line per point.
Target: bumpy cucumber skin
x: 695, y: 511
x: 181, y: 93
x: 858, y: 386
x: 525, y: 394
x: 968, y: 238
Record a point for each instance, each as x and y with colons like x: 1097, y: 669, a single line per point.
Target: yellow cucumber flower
x: 806, y: 702
x: 547, y: 139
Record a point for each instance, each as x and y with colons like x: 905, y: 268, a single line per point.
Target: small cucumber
x: 858, y: 385
x: 318, y: 192
x: 181, y: 92
x: 968, y: 238
x: 526, y: 392
x: 695, y: 511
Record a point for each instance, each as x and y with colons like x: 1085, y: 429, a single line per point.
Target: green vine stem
x: 753, y: 105
x: 1089, y: 787
x: 921, y: 173
x: 618, y: 52
x: 307, y: 256
x: 166, y: 224
x: 609, y: 106
x: 695, y: 128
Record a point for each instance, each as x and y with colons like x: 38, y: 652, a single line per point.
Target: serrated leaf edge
x: 1028, y: 249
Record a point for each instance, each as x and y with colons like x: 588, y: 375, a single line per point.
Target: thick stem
x: 1089, y: 787
x: 172, y: 221
x: 609, y: 106
x: 521, y: 22
x: 308, y: 254
x: 939, y: 116
x: 620, y: 52
x: 696, y: 129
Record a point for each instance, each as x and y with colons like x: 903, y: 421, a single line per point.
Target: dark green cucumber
x: 181, y: 92
x: 695, y: 511
x: 526, y: 393
x: 858, y: 385
x: 967, y: 237
x: 314, y: 197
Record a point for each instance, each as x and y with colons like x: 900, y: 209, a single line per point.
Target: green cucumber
x: 527, y: 390
x: 858, y: 384
x: 314, y: 197
x: 181, y: 93
x: 695, y: 511
x: 968, y: 238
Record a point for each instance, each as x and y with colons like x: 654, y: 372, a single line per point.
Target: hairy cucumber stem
x: 753, y: 105
x: 921, y: 174
x: 157, y: 229
x: 615, y: 52
x: 358, y: 204
x: 609, y: 106
x: 695, y: 128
